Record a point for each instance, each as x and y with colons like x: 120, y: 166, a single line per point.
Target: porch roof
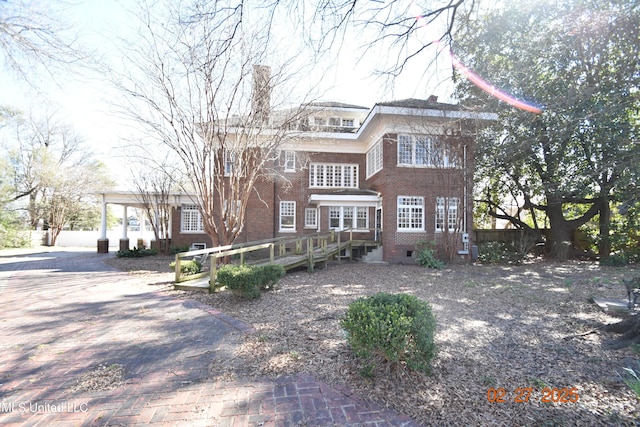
x: 135, y: 199
x: 346, y: 198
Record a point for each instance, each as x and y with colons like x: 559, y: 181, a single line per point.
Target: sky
x: 83, y: 98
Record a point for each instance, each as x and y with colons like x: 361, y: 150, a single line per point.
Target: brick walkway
x: 64, y: 314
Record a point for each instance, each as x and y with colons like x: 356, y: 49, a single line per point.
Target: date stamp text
x: 526, y: 394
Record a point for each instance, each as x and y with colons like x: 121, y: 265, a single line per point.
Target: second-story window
x: 332, y: 175
x: 374, y: 159
x: 289, y: 161
x: 425, y: 151
x: 230, y: 158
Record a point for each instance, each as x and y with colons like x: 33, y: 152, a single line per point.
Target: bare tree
x: 195, y: 85
x: 32, y: 36
x: 154, y: 188
x: 397, y: 32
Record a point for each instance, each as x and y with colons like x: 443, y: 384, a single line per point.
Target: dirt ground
x: 520, y: 333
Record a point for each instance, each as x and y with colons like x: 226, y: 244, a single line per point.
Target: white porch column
x: 124, y: 240
x: 103, y: 242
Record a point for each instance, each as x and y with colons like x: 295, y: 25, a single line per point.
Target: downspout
x: 464, y: 197
x: 275, y: 208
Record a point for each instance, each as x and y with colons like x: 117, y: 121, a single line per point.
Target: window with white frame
x: 329, y: 175
x: 416, y: 150
x: 334, y: 121
x: 311, y: 218
x: 344, y: 217
x: 289, y: 161
x: 287, y: 216
x: 374, y: 158
x: 410, y: 213
x: 348, y: 123
x: 447, y: 210
x: 229, y: 162
x: 191, y: 220
x: 425, y: 151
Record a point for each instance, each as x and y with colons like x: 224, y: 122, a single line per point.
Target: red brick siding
x: 262, y: 220
x: 430, y: 183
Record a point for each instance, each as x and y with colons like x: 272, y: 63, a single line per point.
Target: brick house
x: 400, y: 172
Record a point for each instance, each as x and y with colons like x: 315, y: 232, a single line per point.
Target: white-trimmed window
x: 416, y: 150
x: 289, y: 161
x: 311, y: 218
x: 230, y: 158
x: 424, y: 151
x: 329, y: 175
x: 287, y: 216
x: 343, y: 217
x: 374, y: 159
x: 348, y: 123
x: 191, y: 220
x: 447, y: 210
x: 410, y: 213
x: 362, y: 218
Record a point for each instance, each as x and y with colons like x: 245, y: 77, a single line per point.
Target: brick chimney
x: 433, y: 98
x: 261, y: 97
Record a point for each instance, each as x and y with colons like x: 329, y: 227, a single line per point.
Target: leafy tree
x: 578, y: 59
x: 51, y: 171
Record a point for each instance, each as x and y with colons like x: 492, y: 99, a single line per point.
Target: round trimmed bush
x: 240, y: 279
x: 396, y: 327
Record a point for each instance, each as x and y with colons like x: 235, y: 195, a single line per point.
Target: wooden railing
x: 314, y: 247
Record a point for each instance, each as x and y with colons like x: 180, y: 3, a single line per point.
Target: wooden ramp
x: 291, y: 254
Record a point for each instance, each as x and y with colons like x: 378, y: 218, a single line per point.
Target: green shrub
x: 10, y: 238
x: 499, y: 253
x: 269, y: 275
x: 427, y: 256
x: 615, y: 260
x: 247, y: 281
x: 240, y: 279
x: 188, y: 267
x: 136, y: 253
x: 397, y: 327
x: 177, y: 249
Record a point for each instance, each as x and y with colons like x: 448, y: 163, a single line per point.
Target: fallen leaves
x: 102, y: 378
x: 496, y: 327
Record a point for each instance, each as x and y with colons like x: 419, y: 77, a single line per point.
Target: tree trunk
x: 55, y: 232
x: 561, y: 233
x: 33, y: 211
x: 604, y: 246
